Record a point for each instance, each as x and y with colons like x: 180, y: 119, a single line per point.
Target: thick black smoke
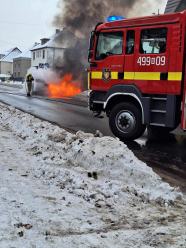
x: 80, y: 17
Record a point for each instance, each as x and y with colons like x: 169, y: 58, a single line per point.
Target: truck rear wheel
x: 125, y: 121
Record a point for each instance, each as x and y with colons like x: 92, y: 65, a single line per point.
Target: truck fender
x: 132, y: 91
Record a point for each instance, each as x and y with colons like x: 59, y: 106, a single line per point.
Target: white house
x: 50, y: 51
x: 6, y: 61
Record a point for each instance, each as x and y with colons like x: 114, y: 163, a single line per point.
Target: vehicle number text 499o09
x: 148, y: 61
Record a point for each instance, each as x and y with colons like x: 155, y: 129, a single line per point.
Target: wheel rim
x: 125, y: 121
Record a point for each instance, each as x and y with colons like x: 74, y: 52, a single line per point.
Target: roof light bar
x: 114, y: 18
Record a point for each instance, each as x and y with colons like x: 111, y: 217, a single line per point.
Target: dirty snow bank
x: 79, y: 191
x: 117, y: 170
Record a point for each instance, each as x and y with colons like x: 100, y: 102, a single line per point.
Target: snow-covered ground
x: 14, y: 84
x: 80, y: 190
x: 13, y: 87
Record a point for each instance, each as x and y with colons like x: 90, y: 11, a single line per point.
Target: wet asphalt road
x: 166, y: 156
x: 71, y: 114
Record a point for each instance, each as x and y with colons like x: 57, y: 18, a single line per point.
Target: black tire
x: 123, y: 115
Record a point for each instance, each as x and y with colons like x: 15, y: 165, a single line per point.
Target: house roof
x: 5, y: 52
x: 59, y: 40
x: 10, y: 55
x: 175, y: 5
x: 26, y: 53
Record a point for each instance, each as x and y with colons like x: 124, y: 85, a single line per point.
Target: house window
x: 153, y: 41
x: 34, y: 55
x: 43, y: 54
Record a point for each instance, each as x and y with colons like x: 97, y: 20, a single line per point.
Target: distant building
x: 51, y: 50
x: 175, y: 6
x: 21, y: 64
x: 6, y: 61
x: 1, y: 55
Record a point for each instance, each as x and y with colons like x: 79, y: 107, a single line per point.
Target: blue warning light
x: 115, y: 18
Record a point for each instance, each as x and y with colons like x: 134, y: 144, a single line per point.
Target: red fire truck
x: 137, y: 74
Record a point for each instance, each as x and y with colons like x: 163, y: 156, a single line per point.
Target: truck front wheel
x: 125, y: 121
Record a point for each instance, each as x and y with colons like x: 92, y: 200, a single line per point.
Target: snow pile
x: 80, y: 190
x: 72, y: 161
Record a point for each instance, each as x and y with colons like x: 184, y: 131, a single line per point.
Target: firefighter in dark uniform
x: 29, y: 81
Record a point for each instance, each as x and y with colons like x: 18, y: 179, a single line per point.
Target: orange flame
x: 65, y: 88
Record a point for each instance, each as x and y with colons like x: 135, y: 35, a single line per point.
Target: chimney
x: 44, y: 40
x: 35, y: 44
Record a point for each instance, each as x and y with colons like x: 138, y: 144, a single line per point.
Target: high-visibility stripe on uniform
x: 172, y: 76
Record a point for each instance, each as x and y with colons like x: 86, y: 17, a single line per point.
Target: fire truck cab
x: 137, y: 74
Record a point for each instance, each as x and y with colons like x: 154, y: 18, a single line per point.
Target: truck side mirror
x: 91, y: 46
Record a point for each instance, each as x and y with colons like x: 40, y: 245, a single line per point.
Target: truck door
x: 108, y: 60
x: 151, y: 59
x: 130, y: 55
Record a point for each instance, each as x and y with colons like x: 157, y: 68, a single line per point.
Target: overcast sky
x: 23, y: 22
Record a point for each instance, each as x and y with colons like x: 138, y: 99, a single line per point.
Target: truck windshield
x: 109, y: 44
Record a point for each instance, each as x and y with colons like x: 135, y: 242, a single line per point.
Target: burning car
x: 49, y: 83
